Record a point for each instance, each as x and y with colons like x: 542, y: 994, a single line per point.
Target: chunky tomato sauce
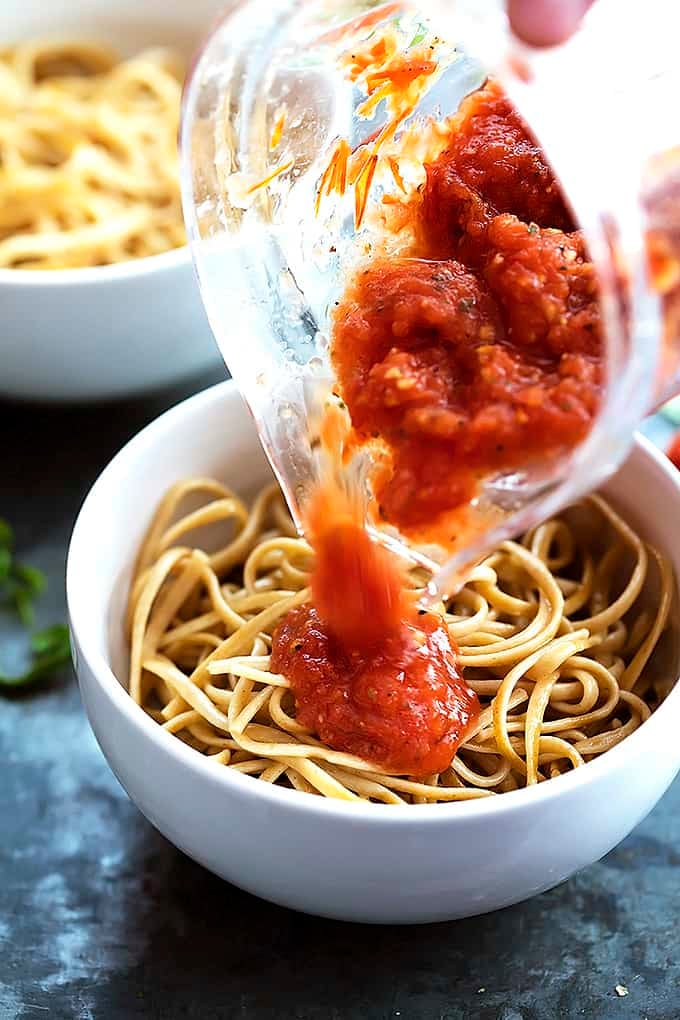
x: 370, y: 674
x: 485, y: 349
x: 401, y: 704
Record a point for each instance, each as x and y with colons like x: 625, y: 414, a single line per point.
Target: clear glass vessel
x: 264, y: 109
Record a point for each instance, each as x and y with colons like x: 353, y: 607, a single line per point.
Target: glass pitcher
x: 265, y: 106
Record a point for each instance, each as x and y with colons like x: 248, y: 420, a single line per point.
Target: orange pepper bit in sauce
x: 400, y: 73
x: 385, y: 74
x: 281, y: 169
x: 277, y: 130
x: 334, y: 177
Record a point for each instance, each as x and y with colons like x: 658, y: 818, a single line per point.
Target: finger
x: 546, y: 22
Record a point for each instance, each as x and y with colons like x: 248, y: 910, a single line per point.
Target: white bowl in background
x: 109, y: 331
x: 360, y: 862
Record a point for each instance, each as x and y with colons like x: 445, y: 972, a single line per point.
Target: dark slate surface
x: 101, y: 918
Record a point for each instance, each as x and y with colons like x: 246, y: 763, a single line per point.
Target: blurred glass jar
x: 268, y: 101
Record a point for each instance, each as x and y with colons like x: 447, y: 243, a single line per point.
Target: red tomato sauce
x: 491, y: 166
x: 485, y: 349
x: 401, y: 705
x: 673, y: 452
x: 369, y: 673
x: 358, y: 586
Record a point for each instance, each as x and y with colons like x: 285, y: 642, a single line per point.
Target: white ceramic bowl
x: 356, y: 862
x: 111, y: 331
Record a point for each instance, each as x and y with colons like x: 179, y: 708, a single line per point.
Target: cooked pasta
x: 561, y: 635
x: 88, y: 155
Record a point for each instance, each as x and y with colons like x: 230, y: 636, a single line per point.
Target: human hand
x: 546, y: 22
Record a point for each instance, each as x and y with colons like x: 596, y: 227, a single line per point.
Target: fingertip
x: 546, y: 22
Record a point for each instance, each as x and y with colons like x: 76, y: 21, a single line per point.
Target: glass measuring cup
x: 266, y: 103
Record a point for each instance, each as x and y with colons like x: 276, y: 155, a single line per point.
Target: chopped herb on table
x: 20, y: 586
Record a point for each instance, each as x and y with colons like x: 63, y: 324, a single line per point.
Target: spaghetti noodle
x: 559, y: 634
x: 88, y: 155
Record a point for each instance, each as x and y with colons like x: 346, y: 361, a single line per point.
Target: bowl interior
x: 212, y: 434
x: 129, y: 25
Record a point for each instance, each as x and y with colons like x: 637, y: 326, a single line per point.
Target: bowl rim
x: 94, y: 275
x: 103, y: 676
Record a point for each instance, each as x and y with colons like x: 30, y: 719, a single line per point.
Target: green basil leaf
x: 30, y: 577
x: 51, y: 639
x: 6, y: 535
x: 20, y: 585
x: 5, y: 563
x: 22, y: 600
